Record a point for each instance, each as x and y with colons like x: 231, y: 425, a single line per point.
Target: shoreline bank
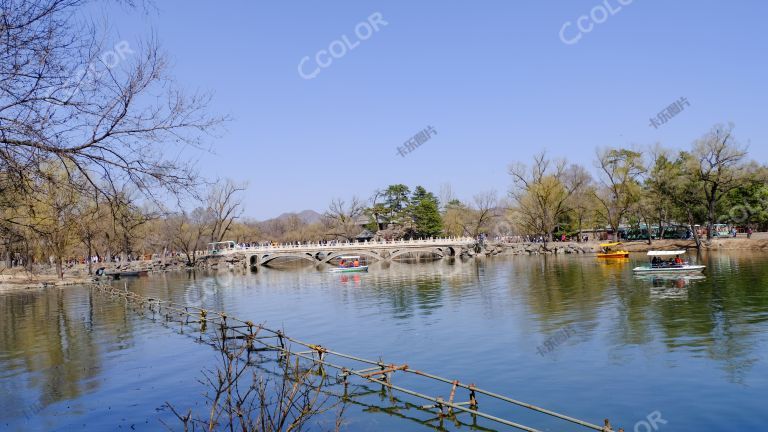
x: 758, y: 242
x: 20, y: 279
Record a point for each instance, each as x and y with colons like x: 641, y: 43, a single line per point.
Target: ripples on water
x: 692, y: 349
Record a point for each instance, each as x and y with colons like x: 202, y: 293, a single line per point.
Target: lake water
x: 568, y: 333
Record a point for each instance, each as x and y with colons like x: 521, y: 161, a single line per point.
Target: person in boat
x: 678, y: 260
x: 356, y: 264
x: 343, y: 263
x: 655, y: 262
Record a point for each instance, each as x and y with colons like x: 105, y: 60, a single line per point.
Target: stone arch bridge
x: 318, y: 253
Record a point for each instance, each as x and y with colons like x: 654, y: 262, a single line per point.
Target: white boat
x: 661, y: 265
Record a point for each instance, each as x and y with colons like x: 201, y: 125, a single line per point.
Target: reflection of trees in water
x: 718, y: 316
x: 562, y: 290
x: 47, y: 334
x: 722, y: 313
x: 192, y: 288
x: 405, y: 287
x: 409, y: 288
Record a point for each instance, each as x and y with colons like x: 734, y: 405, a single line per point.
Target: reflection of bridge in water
x: 318, y: 253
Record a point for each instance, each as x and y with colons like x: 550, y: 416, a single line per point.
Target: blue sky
x: 493, y: 78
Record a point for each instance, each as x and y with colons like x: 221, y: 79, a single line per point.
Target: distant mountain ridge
x: 306, y: 216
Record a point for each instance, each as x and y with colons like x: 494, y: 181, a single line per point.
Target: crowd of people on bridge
x: 243, y: 245
x: 541, y: 239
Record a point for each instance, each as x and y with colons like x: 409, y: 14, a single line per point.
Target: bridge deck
x: 369, y: 245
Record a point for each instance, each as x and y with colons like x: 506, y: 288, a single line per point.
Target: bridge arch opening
x: 417, y: 255
x: 287, y: 260
x: 369, y: 255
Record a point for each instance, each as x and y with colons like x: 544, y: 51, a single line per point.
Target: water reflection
x: 47, y: 337
x: 670, y: 286
x: 480, y: 319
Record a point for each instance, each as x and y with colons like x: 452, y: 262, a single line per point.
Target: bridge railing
x: 347, y: 244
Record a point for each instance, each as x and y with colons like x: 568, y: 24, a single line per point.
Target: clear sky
x: 494, y: 78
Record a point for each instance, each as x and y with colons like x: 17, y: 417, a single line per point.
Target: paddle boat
x: 663, y: 262
x: 612, y: 250
x: 349, y: 264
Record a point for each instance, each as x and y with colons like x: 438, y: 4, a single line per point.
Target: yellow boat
x: 611, y: 250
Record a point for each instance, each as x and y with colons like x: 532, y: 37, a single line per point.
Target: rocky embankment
x: 42, y: 277
x: 235, y: 260
x: 552, y: 248
x: 758, y: 242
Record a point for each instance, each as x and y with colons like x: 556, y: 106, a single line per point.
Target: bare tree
x: 52, y: 213
x: 342, y: 219
x: 480, y: 214
x: 583, y: 205
x: 225, y: 206
x: 87, y: 212
x: 620, y: 170
x: 645, y: 207
x: 127, y: 218
x: 188, y: 232
x: 542, y: 192
x: 715, y: 163
x: 112, y: 114
x: 239, y: 399
x: 656, y: 186
x: 446, y: 195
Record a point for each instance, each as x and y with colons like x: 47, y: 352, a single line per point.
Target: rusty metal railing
x: 260, y: 338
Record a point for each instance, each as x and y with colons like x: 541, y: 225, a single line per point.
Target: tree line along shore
x: 91, y: 172
x: 653, y: 195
